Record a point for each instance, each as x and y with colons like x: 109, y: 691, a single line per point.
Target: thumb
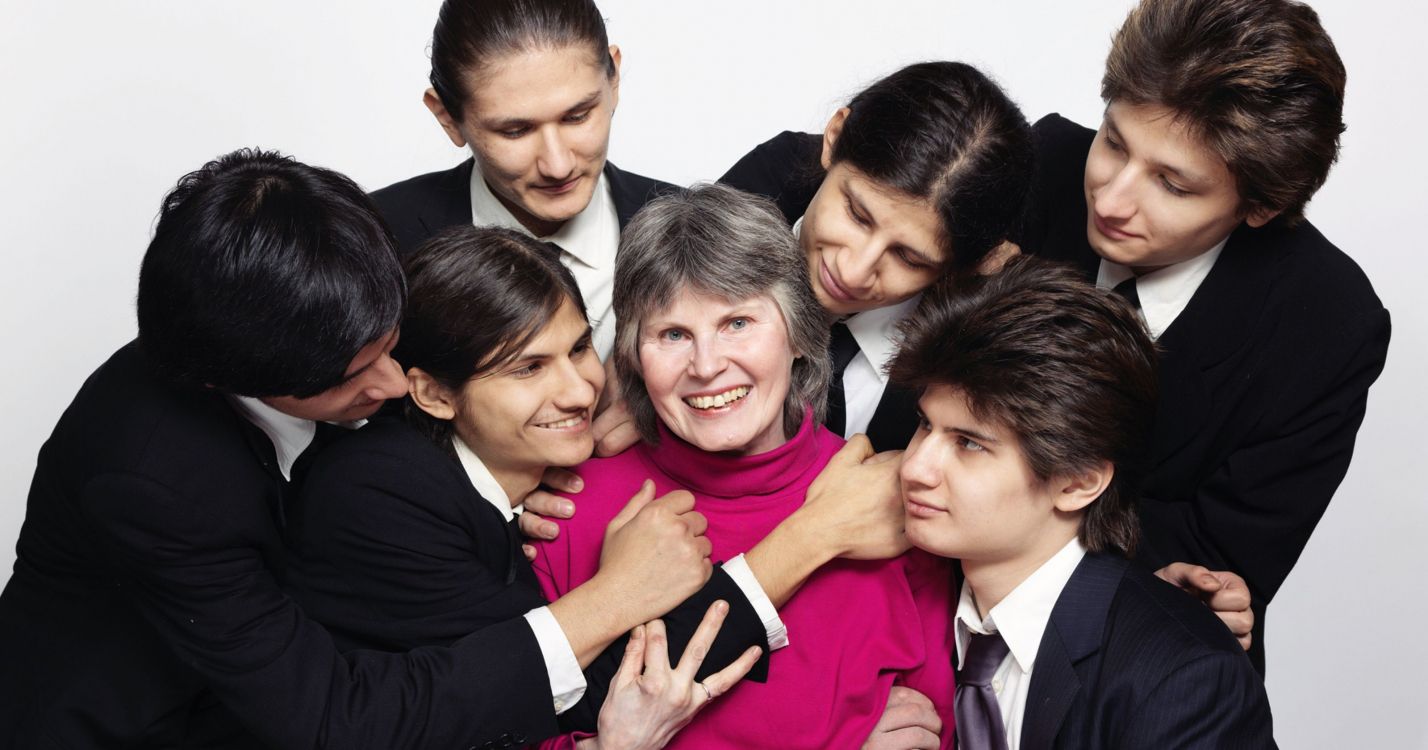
x: 636, y: 504
x: 857, y: 450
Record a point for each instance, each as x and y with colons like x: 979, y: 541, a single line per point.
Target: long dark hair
x: 477, y: 297
x: 944, y: 132
x: 470, y: 33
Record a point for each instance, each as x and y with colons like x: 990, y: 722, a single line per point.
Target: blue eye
x: 739, y: 324
x: 967, y: 443
x: 672, y: 334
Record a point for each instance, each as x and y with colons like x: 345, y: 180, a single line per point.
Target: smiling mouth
x: 564, y: 424
x: 704, y: 403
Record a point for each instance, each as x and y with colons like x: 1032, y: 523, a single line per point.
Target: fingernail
x: 567, y: 508
x: 577, y: 484
x: 549, y: 529
x: 721, y: 606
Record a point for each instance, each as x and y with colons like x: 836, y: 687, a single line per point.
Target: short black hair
x: 1065, y: 366
x: 265, y: 277
x: 944, y: 132
x: 479, y: 295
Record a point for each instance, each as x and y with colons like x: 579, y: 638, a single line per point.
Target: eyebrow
x: 1194, y: 180
x: 853, y: 198
x: 528, y: 358
x: 589, y: 101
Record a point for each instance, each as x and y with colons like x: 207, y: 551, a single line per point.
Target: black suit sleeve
x: 1215, y: 702
x: 209, y: 593
x: 1254, y: 514
x: 785, y: 168
x: 394, y: 551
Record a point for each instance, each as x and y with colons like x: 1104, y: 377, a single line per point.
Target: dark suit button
x: 520, y: 739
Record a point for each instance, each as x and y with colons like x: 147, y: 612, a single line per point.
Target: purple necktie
x: 979, y: 716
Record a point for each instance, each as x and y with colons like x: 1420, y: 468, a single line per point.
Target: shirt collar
x: 482, y: 479
x: 876, y: 333
x: 1164, y: 293
x: 290, y: 435
x: 585, y: 237
x: 1022, y: 616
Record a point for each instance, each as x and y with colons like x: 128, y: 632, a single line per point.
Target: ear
x: 431, y: 396
x: 831, y: 133
x: 997, y: 258
x: 444, y: 118
x: 1260, y: 216
x: 615, y: 79
x: 1075, y: 492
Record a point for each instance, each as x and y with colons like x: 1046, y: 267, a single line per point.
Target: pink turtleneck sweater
x: 855, y: 628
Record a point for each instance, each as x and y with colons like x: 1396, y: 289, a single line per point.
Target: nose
x: 707, y: 359
x: 919, y: 468
x: 576, y: 391
x: 554, y: 159
x: 857, y: 267
x: 388, y: 380
x: 1116, y: 198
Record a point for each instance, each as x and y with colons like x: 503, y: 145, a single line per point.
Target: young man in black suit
x: 145, y: 608
x: 1037, y: 394
x: 1222, y: 120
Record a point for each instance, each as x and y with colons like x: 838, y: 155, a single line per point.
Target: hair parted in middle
x: 715, y: 240
x: 944, y: 132
x: 1067, y: 367
x: 477, y: 296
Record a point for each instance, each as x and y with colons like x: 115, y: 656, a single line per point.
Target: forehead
x: 1156, y: 134
x: 948, y: 408
x: 536, y: 83
x: 691, y: 303
x: 908, y: 220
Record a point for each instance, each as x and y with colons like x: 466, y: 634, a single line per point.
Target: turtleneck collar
x: 727, y: 475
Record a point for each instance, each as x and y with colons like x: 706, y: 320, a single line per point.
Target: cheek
x: 503, y: 160
x: 660, y: 371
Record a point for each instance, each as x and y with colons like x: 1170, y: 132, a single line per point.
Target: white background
x: 106, y: 104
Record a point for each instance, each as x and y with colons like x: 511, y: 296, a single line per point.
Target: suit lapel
x: 631, y: 191
x: 1077, y: 626
x: 1212, y: 327
x: 894, y: 420
x: 450, y: 204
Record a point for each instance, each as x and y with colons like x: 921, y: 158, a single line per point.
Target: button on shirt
x: 587, y: 241
x: 1164, y: 293
x: 1021, y: 619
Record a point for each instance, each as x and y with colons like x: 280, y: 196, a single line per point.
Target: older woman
x: 721, y: 353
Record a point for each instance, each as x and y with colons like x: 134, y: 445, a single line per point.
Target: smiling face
x: 370, y: 379
x: 538, y: 123
x: 969, y: 493
x: 534, y: 411
x: 868, y: 246
x: 718, y: 372
x: 1155, y: 195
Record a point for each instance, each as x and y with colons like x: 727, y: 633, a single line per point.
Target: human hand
x: 857, y: 501
x: 614, y: 429
x: 543, y: 504
x: 648, y: 702
x: 1225, y: 593
x: 655, y: 554
x: 910, y: 722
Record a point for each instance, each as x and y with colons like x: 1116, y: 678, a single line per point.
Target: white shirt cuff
x: 567, y: 682
x: 738, y: 569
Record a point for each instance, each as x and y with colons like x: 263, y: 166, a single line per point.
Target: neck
x: 992, y: 580
x: 517, y: 482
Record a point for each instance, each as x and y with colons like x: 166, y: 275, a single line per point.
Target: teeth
x: 562, y: 424
x: 718, y: 400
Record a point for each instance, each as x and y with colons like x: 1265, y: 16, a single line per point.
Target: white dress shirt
x: 1164, y: 292
x: 1021, y: 618
x: 588, y: 242
x: 866, y: 378
x: 290, y: 435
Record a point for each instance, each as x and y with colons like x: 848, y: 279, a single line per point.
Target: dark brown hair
x: 1065, y: 366
x: 471, y: 33
x: 1258, y: 81
x: 944, y: 132
x: 476, y: 297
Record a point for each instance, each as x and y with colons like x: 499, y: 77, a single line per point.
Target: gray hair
x: 716, y: 240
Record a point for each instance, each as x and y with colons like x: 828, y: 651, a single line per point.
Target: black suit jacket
x: 394, y: 549
x: 787, y: 170
x: 419, y: 207
x: 1263, y: 383
x: 145, y: 594
x: 1128, y: 661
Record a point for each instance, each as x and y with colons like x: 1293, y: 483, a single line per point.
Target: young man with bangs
x: 1222, y: 120
x: 1037, y: 394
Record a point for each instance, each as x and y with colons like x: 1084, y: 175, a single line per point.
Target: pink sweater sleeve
x: 932, y: 591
